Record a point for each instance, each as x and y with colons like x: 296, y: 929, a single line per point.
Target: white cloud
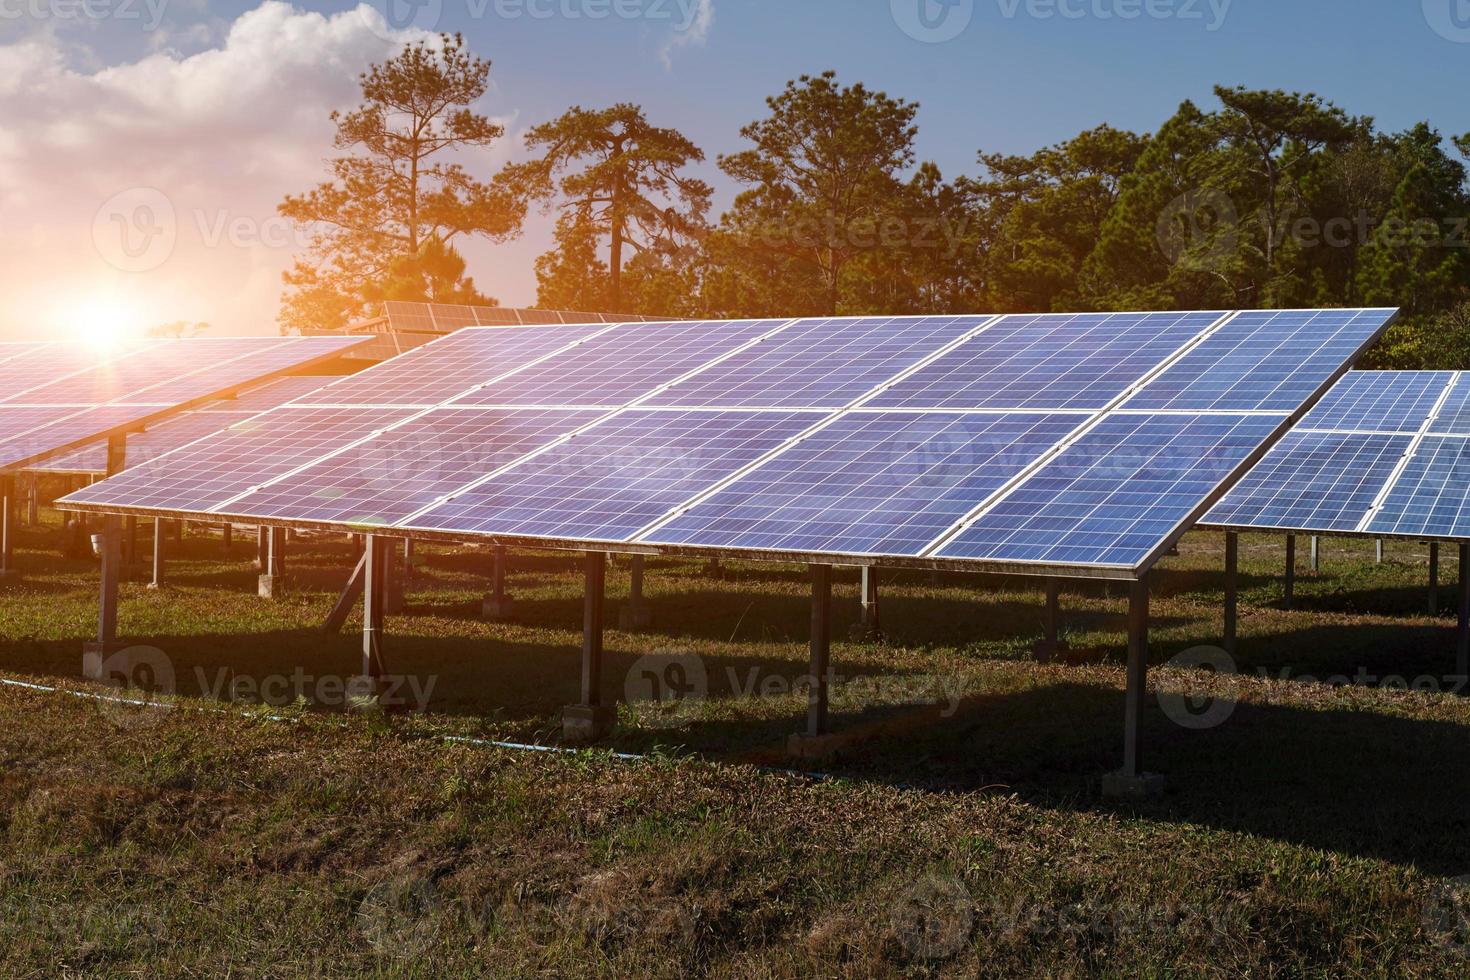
x: 223, y: 134
x: 693, y: 32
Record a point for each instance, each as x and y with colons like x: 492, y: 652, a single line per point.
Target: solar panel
x: 1322, y: 480
x: 1453, y: 417
x: 871, y: 483
x: 387, y: 478
x: 1378, y: 401
x: 1381, y: 455
x: 1057, y: 361
x: 134, y: 385
x: 950, y: 440
x: 819, y: 363
x: 1115, y: 494
x: 622, y: 365
x: 618, y: 476
x: 180, y: 430
x: 203, y: 475
x: 1432, y: 496
x: 449, y: 366
x: 1261, y: 360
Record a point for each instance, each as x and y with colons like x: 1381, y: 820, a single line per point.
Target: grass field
x: 1317, y: 831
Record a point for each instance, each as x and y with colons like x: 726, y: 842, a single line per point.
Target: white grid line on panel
x: 127, y: 400
x: 837, y: 414
x: 1398, y: 472
x: 635, y: 404
x: 995, y: 499
x: 220, y: 507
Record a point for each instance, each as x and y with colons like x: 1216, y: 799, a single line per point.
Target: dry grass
x: 1311, y: 834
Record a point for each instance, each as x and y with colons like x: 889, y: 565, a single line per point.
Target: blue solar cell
x: 819, y: 363
x: 203, y: 475
x: 870, y: 483
x: 391, y: 476
x: 1454, y: 415
x: 1313, y: 481
x: 269, y: 396
x: 135, y: 375
x: 1379, y: 401
x: 24, y: 373
x: 80, y: 424
x: 1049, y: 361
x: 623, y: 365
x: 1263, y: 360
x: 451, y: 366
x: 618, y: 477
x: 1432, y: 496
x: 1116, y: 494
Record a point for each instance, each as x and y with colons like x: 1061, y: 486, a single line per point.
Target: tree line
x: 1266, y: 199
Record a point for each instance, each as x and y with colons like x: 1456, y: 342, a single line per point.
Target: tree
x: 1050, y: 210
x: 434, y: 275
x: 823, y: 177
x: 619, y: 178
x: 1277, y: 134
x: 397, y: 190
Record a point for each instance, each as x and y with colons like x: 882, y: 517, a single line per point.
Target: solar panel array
x: 1057, y: 442
x: 1384, y: 453
x: 445, y: 317
x: 177, y: 431
x: 56, y: 397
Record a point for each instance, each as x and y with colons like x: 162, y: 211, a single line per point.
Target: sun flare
x: 103, y: 321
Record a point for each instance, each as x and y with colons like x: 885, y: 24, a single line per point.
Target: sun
x: 103, y: 321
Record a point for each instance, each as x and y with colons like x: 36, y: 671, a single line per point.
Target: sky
x: 144, y: 144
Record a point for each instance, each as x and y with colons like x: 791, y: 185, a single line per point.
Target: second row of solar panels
x: 1385, y: 452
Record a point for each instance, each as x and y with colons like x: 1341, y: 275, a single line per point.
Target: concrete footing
x: 271, y: 587
x: 1121, y: 785
x: 95, y: 657
x: 581, y: 723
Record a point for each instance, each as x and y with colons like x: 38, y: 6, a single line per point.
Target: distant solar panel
x: 1383, y: 454
x: 91, y: 393
x: 205, y: 474
x: 815, y: 439
x: 180, y: 430
x: 1432, y: 496
x: 1323, y: 480
x: 1379, y: 401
